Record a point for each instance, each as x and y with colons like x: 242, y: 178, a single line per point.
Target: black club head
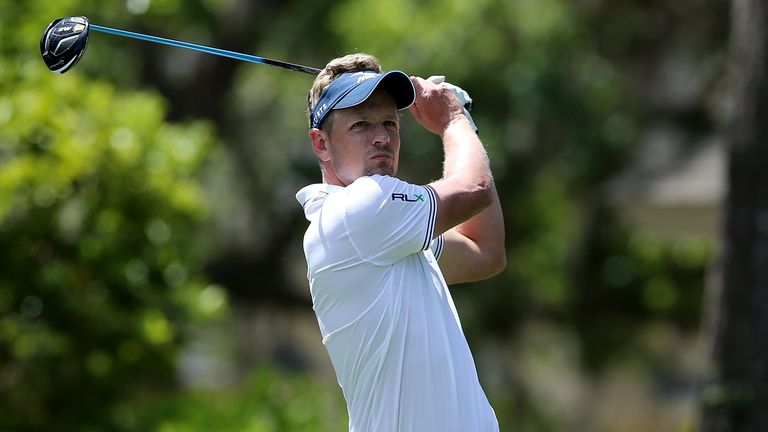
x: 64, y: 42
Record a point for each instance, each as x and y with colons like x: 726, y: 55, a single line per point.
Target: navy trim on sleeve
x: 432, y: 217
x: 439, y: 246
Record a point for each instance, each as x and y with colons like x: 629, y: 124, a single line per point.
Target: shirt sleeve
x: 437, y: 246
x: 388, y: 219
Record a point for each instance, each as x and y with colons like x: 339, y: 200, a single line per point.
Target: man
x: 380, y: 251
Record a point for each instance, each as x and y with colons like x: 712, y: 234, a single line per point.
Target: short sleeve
x: 388, y: 219
x: 436, y: 246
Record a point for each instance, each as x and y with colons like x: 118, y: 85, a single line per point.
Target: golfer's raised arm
x: 467, y: 185
x: 468, y: 211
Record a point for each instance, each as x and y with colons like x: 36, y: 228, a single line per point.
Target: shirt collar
x: 311, y: 196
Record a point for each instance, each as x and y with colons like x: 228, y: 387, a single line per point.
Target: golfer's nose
x: 381, y: 136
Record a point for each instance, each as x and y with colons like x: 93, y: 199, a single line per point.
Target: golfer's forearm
x: 474, y: 248
x: 465, y: 158
x: 466, y: 187
x: 466, y: 163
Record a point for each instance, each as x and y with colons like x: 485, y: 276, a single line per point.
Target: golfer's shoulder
x: 371, y: 190
x: 375, y: 185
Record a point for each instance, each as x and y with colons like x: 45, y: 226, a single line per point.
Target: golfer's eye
x: 390, y: 123
x: 359, y: 124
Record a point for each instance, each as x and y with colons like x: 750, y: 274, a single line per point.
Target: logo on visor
x: 319, y: 112
x: 363, y: 76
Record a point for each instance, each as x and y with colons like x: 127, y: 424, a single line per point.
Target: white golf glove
x: 464, y: 98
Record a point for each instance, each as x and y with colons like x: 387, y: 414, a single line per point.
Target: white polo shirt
x: 385, y: 313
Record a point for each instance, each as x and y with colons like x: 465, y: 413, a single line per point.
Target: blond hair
x: 357, y: 62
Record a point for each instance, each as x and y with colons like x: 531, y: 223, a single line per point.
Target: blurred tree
x: 737, y: 398
x: 562, y: 97
x: 564, y: 92
x: 268, y: 401
x: 98, y: 202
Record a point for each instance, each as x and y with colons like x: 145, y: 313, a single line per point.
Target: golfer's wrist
x: 459, y: 124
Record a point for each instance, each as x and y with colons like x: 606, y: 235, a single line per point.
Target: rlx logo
x: 406, y: 198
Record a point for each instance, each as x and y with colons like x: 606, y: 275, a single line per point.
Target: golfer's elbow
x: 481, y: 193
x: 471, y: 196
x: 487, y: 266
x: 496, y: 260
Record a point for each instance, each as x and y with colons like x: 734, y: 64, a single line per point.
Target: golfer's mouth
x: 380, y: 156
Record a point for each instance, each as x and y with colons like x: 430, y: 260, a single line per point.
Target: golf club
x: 65, y: 39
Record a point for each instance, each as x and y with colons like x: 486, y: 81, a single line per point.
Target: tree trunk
x: 737, y: 397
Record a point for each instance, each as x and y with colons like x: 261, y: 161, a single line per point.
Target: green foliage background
x: 120, y: 182
x: 98, y: 197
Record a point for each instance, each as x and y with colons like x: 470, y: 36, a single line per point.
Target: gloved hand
x: 460, y: 93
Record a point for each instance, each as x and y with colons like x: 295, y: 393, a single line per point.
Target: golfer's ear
x: 319, y: 139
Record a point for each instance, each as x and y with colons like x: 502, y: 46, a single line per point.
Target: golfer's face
x: 365, y: 139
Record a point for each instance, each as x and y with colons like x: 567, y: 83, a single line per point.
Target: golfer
x: 381, y: 251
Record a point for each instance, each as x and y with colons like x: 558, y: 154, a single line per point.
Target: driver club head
x: 64, y: 42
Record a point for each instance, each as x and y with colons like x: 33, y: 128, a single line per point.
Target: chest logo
x: 406, y: 197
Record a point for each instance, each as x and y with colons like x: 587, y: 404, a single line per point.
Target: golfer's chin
x: 381, y: 169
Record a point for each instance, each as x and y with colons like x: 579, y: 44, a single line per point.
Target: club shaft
x: 207, y: 49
